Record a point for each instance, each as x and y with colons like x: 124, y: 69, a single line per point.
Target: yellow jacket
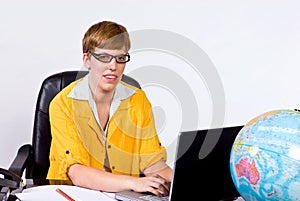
x: 132, y: 143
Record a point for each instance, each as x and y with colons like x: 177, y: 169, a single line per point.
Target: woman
x: 103, y: 130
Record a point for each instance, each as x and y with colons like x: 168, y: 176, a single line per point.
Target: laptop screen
x: 202, y: 170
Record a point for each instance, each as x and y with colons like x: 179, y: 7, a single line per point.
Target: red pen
x: 64, y: 194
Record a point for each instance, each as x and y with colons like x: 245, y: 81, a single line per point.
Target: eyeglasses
x: 106, y: 58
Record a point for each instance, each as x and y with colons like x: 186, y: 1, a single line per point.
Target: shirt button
x: 113, y: 167
x: 108, y: 146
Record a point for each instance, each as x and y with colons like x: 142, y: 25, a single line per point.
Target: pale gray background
x: 254, y: 45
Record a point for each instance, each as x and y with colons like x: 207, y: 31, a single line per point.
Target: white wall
x: 252, y: 47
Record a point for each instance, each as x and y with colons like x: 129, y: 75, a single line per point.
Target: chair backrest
x: 41, y: 138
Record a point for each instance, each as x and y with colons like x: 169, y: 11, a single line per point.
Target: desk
x: 37, y: 190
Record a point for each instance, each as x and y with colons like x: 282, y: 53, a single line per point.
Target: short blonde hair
x: 106, y: 35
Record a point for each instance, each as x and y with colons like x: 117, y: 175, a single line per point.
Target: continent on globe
x: 248, y: 170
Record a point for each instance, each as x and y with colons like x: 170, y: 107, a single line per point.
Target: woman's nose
x: 113, y: 64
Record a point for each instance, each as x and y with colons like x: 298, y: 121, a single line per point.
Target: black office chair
x: 34, y: 158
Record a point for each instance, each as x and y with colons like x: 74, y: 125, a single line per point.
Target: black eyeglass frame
x: 96, y: 56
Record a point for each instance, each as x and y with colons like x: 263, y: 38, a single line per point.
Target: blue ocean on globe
x: 265, y: 157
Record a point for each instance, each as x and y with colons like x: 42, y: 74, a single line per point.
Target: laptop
x: 201, y: 170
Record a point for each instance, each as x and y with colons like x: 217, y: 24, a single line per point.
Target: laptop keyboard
x: 155, y: 198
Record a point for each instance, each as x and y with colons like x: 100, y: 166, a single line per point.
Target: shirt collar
x: 82, y: 91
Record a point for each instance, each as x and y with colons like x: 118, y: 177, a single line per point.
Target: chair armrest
x: 21, y: 160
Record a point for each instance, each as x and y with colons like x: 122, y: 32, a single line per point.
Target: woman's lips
x: 110, y: 77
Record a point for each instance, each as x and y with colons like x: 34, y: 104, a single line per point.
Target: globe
x: 265, y: 157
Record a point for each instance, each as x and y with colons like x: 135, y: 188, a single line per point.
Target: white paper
x: 48, y: 193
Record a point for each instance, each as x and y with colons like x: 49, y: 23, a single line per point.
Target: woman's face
x: 105, y: 71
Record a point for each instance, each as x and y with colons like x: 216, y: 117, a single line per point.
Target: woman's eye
x: 104, y: 57
x: 121, y: 58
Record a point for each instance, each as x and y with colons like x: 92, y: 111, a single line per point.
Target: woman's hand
x: 154, y: 184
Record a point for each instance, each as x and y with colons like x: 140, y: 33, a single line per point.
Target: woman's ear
x: 86, y: 60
